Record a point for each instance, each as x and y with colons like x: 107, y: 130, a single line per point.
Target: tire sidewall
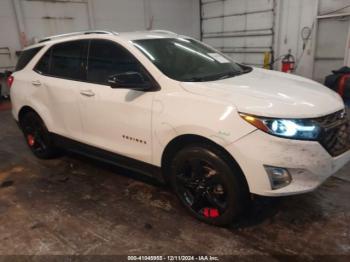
x: 227, y: 176
x: 30, y: 119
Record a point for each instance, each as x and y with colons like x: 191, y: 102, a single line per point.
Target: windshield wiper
x: 218, y: 76
x: 233, y: 74
x: 230, y: 74
x: 194, y: 79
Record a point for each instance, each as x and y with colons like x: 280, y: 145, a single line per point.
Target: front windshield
x: 187, y: 60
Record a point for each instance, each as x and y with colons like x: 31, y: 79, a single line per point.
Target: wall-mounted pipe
x: 20, y: 22
x: 91, y: 17
x: 333, y: 15
x: 200, y: 20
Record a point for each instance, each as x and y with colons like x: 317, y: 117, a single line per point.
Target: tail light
x: 10, y: 80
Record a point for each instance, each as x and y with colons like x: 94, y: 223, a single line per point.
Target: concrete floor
x: 73, y: 205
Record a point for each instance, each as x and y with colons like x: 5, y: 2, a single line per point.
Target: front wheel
x: 37, y: 136
x: 208, y: 185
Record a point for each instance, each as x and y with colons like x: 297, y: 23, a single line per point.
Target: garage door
x: 240, y: 29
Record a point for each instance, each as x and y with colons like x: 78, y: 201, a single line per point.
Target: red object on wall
x: 288, y: 64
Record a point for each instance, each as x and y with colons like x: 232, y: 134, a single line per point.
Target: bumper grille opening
x: 336, y: 133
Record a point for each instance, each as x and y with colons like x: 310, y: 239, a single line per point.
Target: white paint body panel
x: 272, y: 94
x: 308, y: 162
x: 207, y: 109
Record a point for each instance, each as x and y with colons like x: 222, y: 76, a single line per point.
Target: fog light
x: 279, y: 177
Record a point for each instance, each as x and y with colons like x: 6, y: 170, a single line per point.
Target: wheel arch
x: 182, y: 141
x: 24, y: 110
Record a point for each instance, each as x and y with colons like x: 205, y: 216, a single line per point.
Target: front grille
x: 335, y: 136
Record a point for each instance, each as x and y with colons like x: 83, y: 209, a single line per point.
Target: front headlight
x: 304, y: 129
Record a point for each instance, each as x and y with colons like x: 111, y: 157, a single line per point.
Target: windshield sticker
x: 219, y: 58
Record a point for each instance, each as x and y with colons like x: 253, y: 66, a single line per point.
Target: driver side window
x: 107, y: 59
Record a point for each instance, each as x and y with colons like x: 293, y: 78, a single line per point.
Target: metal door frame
x: 347, y: 45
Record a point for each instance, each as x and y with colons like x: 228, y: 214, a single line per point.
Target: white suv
x: 167, y: 104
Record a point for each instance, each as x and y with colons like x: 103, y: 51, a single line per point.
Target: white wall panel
x: 47, y: 17
x: 250, y: 58
x: 180, y: 16
x: 119, y: 15
x: 253, y: 41
x: 234, y: 23
x: 212, y: 25
x: 326, y: 6
x: 235, y: 7
x: 213, y: 9
x: 332, y: 37
x: 260, y: 21
x: 9, y: 35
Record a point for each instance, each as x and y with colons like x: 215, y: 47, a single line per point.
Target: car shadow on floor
x: 148, y: 179
x: 259, y: 210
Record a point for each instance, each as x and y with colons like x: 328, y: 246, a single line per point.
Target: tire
x: 209, y: 184
x: 37, y: 136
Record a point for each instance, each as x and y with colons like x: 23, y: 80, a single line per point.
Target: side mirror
x: 131, y: 80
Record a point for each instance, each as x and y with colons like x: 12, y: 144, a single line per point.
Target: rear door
x: 62, y: 72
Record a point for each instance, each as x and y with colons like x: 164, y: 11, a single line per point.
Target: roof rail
x: 164, y: 32
x: 49, y: 38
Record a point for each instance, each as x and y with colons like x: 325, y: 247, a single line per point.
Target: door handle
x: 36, y: 83
x: 87, y: 93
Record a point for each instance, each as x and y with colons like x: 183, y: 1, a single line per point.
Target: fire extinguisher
x: 288, y: 63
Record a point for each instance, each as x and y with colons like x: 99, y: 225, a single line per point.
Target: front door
x: 115, y: 119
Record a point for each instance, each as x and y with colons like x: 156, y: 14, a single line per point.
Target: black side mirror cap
x: 130, y: 80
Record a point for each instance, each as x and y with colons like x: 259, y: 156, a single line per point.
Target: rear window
x: 26, y: 56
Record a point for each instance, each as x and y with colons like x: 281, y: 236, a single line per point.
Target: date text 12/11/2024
x: 173, y: 258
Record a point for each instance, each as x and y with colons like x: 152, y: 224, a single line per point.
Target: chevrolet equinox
x: 215, y: 130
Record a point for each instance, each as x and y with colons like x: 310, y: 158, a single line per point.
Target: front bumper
x: 308, y: 162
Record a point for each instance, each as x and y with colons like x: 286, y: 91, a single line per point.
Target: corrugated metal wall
x: 242, y: 29
x: 246, y: 29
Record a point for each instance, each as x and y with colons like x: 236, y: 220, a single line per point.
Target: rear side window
x: 68, y: 60
x: 25, y: 57
x: 43, y: 66
x: 107, y: 59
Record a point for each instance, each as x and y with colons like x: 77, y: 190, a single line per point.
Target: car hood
x: 271, y: 94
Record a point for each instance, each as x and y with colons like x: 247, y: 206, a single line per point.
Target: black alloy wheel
x: 37, y: 136
x: 208, y: 185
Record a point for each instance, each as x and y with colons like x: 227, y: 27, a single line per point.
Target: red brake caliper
x: 210, y: 212
x: 31, y: 140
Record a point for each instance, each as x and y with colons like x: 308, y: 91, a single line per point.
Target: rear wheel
x: 37, y: 136
x: 209, y: 186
